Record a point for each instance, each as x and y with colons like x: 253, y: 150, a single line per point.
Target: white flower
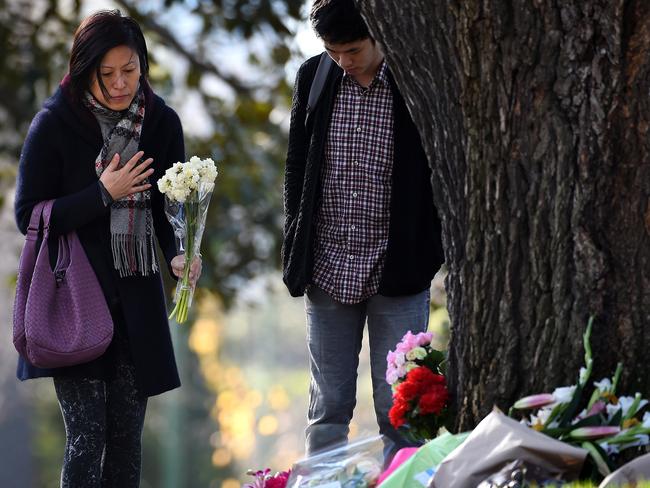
x: 182, y: 179
x: 180, y: 194
x: 416, y: 353
x: 542, y: 417
x: 410, y: 365
x: 563, y: 394
x: 641, y: 440
x: 176, y: 168
x: 164, y: 184
x: 612, y: 410
x: 603, y: 385
x: 626, y: 403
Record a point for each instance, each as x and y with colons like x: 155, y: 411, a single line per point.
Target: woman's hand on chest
x: 129, y: 179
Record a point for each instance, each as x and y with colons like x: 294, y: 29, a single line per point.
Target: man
x: 362, y: 236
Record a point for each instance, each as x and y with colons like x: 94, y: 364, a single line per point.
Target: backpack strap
x: 324, y: 65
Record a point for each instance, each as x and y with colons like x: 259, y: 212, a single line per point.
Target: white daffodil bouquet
x: 187, y: 188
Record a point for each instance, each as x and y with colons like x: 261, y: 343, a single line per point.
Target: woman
x: 96, y: 147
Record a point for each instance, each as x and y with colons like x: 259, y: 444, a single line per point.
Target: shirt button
x: 354, y: 194
x: 358, y: 129
x: 353, y: 227
x: 355, y: 162
x: 350, y: 256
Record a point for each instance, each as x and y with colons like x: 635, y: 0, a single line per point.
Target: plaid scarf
x: 131, y: 219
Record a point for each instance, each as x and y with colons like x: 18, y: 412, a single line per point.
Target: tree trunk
x: 534, y: 115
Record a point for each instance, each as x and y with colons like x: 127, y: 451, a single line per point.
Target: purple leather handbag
x: 60, y: 317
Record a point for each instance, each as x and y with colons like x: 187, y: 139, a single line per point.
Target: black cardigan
x: 57, y: 162
x: 414, y: 252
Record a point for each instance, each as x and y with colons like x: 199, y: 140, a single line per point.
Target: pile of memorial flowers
x: 607, y: 424
x: 598, y: 425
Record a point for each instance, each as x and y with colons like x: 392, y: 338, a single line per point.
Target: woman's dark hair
x: 95, y: 36
x: 338, y: 21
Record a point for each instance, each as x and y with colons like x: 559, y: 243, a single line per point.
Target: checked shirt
x: 352, y: 221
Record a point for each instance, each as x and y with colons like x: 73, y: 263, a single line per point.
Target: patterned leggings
x: 103, y: 426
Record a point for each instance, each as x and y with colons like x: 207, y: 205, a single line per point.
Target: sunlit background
x: 227, y: 67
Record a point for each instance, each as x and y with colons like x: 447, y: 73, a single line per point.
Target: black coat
x: 414, y: 252
x: 57, y: 162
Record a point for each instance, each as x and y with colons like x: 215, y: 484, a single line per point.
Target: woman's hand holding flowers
x: 124, y: 181
x: 178, y: 267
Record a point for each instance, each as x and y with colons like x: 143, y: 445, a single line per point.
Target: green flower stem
x: 589, y: 364
x: 617, y: 377
x: 601, y: 464
x: 180, y: 311
x: 633, y: 408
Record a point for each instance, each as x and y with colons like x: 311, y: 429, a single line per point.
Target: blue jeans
x: 334, y: 334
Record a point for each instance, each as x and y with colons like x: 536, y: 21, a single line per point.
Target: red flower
x: 434, y: 400
x: 420, y: 374
x: 408, y: 389
x: 424, y: 376
x: 278, y: 481
x: 418, y: 381
x: 263, y: 479
x: 397, y: 413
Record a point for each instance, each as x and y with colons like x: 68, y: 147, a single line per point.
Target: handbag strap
x: 47, y: 213
x: 41, y: 210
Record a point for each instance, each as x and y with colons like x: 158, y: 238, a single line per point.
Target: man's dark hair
x: 98, y: 34
x: 338, y: 21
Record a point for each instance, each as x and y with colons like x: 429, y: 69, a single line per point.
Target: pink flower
x: 408, y: 342
x: 391, y: 376
x: 596, y: 432
x: 390, y: 358
x: 534, y: 401
x: 401, y: 371
x: 278, y: 481
x: 598, y: 407
x: 424, y: 338
x: 400, y: 359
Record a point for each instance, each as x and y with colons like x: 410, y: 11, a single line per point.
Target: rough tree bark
x: 535, y: 116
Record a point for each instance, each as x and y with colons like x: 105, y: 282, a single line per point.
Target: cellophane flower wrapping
x: 354, y: 465
x: 188, y: 189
